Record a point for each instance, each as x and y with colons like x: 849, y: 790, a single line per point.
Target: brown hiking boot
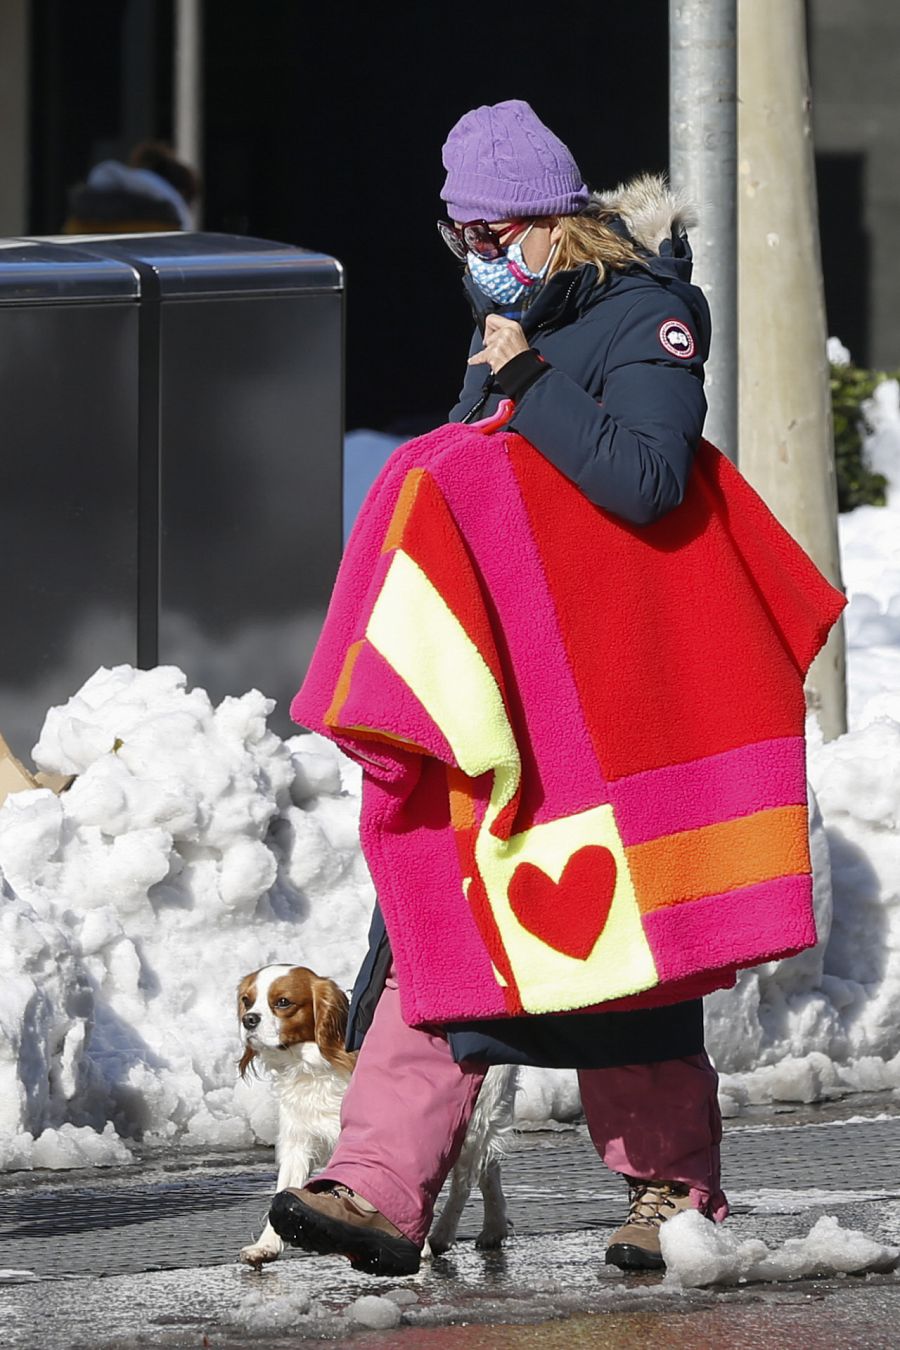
x: 635, y: 1246
x: 338, y: 1220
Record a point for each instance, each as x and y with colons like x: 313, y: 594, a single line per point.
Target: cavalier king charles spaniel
x: 293, y: 1023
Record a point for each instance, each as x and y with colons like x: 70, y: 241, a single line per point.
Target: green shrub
x: 857, y: 485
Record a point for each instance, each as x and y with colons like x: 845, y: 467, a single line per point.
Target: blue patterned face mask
x: 506, y: 279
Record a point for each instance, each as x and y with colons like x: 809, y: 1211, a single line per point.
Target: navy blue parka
x: 619, y: 405
x: 611, y: 392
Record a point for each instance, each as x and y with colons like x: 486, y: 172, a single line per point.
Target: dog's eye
x: 246, y: 1001
x: 283, y: 1003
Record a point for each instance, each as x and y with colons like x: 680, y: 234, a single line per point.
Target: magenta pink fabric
x: 702, y: 791
x: 405, y: 1114
x: 653, y: 670
x: 392, y: 700
x: 708, y: 926
x: 460, y: 957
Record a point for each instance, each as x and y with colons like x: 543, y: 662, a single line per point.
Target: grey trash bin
x: 68, y: 475
x: 238, y: 424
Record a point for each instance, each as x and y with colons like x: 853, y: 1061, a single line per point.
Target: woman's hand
x: 503, y: 339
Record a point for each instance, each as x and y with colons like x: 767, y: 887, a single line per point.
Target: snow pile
x: 882, y: 413
x: 698, y: 1253
x: 44, y: 999
x: 378, y: 1314
x: 829, y: 1021
x: 265, y: 1309
x: 837, y: 353
x: 194, y: 846
x: 261, y: 1309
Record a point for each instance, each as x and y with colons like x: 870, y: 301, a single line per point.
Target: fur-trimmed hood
x: 656, y: 218
x: 650, y: 210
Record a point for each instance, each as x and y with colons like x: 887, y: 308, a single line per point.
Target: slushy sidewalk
x: 162, y: 1227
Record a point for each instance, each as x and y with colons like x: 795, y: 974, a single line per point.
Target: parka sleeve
x: 629, y: 445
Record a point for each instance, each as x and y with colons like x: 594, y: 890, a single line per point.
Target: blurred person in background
x: 153, y: 192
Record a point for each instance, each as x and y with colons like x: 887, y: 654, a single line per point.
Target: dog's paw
x: 259, y: 1254
x: 493, y: 1235
x: 439, y: 1241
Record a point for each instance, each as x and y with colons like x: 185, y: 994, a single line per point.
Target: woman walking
x: 587, y: 324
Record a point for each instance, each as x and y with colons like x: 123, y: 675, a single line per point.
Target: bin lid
x: 189, y: 265
x: 41, y: 272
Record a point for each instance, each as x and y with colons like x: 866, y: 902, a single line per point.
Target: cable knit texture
x: 502, y: 164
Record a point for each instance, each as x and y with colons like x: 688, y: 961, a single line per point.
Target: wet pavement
x: 145, y: 1256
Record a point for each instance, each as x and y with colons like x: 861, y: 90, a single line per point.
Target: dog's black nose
x: 250, y: 1021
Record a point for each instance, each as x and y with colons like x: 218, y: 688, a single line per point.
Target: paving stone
x: 193, y: 1213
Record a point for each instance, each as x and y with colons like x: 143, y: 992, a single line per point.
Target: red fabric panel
x: 431, y: 537
x: 731, y: 651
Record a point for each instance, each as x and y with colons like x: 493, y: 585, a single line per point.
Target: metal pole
x: 188, y: 86
x: 703, y: 166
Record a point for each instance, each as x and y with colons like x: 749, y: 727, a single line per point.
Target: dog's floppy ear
x: 244, y: 987
x: 330, y: 1010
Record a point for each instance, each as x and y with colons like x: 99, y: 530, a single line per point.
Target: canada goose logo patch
x: 677, y: 338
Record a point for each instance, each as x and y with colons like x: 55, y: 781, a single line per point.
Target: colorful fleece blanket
x: 582, y: 740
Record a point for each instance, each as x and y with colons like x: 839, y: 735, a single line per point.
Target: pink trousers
x: 405, y: 1114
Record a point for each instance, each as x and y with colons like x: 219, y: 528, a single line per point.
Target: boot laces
x: 647, y: 1201
x: 342, y: 1192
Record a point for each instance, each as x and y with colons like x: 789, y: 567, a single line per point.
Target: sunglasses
x: 476, y: 236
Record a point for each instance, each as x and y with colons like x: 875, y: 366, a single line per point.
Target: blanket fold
x: 582, y: 740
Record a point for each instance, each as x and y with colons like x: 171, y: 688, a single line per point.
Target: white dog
x: 293, y: 1022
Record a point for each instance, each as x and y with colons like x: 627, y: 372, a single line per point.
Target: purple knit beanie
x: 502, y: 164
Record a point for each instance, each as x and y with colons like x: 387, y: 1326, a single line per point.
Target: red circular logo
x: 677, y: 339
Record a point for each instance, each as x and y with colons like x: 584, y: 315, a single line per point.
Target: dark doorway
x: 323, y: 127
x: 845, y: 249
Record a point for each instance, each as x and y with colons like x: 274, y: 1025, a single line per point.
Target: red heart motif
x: 569, y: 914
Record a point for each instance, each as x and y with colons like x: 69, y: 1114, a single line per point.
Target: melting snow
x: 699, y: 1253
x: 195, y: 845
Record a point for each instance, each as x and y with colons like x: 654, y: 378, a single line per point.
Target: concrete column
x: 14, y: 62
x: 786, y: 438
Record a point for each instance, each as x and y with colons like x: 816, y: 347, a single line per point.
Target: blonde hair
x: 590, y: 238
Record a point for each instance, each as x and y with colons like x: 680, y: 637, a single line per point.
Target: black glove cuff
x: 520, y: 373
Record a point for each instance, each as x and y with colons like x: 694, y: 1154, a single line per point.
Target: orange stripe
x: 402, y: 511
x: 462, y: 818
x: 462, y: 805
x: 719, y: 858
x: 383, y: 738
x: 342, y: 688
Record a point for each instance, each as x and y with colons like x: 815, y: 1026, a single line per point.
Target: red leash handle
x: 497, y: 419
